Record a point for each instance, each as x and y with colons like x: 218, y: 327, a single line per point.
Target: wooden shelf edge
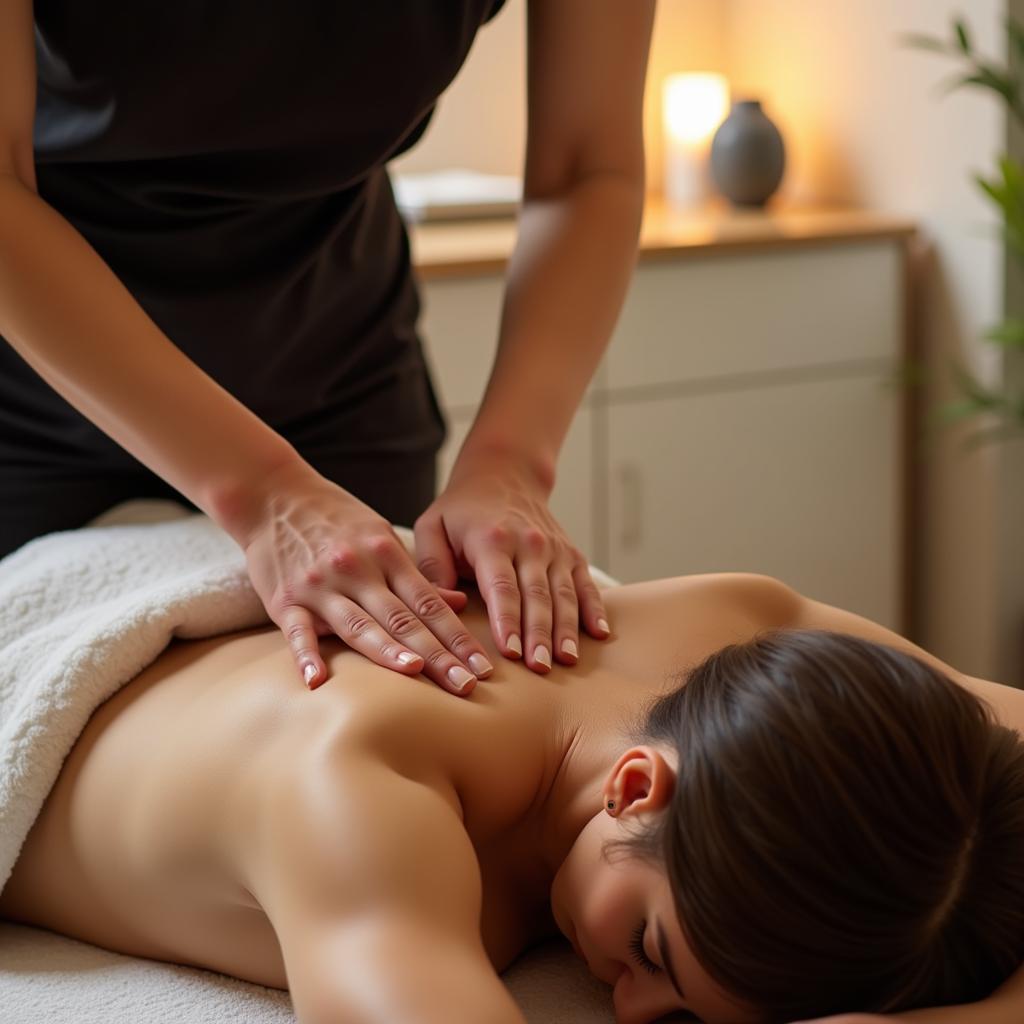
x: 483, y: 248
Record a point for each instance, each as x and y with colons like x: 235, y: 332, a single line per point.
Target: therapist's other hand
x: 323, y: 562
x: 492, y: 521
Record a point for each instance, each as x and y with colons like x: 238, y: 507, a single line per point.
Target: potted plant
x: 1004, y: 405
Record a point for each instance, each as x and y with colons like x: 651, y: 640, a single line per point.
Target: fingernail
x: 513, y: 643
x: 460, y: 677
x: 602, y: 624
x: 541, y: 654
x: 407, y: 659
x: 309, y: 673
x: 480, y: 665
x: 569, y: 647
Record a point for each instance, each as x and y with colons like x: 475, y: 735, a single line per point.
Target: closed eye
x: 636, y: 946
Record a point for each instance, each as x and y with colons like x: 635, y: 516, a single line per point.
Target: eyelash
x: 636, y: 945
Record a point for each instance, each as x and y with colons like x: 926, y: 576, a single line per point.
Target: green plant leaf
x: 993, y: 189
x: 1006, y: 191
x: 1016, y: 33
x: 986, y: 78
x: 962, y: 38
x: 1014, y: 239
x: 975, y: 390
x: 910, y: 373
x: 989, y: 435
x: 952, y: 412
x: 1009, y: 334
x: 1013, y: 174
x: 918, y: 41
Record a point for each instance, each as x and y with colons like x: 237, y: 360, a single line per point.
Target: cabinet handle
x: 632, y: 505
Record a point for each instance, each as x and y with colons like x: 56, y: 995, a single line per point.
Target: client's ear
x: 640, y: 781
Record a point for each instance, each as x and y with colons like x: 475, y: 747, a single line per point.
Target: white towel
x: 83, y: 612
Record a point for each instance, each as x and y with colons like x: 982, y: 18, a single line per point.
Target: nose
x: 634, y: 1001
x: 626, y: 1014
x: 623, y: 1001
x: 615, y: 972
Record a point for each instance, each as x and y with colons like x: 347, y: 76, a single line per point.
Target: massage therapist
x: 206, y: 291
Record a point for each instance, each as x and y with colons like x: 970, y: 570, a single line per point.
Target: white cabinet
x: 797, y: 480
x: 460, y: 329
x: 744, y: 416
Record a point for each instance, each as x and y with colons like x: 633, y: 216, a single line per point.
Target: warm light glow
x: 695, y: 104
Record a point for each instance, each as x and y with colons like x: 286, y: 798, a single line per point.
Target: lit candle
x: 694, y: 105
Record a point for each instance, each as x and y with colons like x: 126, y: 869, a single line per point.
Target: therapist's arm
x: 73, y: 321
x: 578, y: 228
x: 319, y: 559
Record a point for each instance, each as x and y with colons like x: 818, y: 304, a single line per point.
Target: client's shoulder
x: 764, y: 601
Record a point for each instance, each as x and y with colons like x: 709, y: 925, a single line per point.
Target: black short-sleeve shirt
x: 226, y: 160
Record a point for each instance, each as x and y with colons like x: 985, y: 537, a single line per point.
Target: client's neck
x: 583, y: 752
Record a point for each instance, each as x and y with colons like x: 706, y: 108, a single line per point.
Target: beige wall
x: 481, y: 120
x: 863, y: 125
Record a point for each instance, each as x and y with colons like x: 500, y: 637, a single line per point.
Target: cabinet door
x: 738, y: 315
x: 459, y: 325
x: 571, y: 501
x: 799, y: 481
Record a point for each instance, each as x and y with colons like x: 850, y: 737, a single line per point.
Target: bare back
x: 148, y: 841
x: 143, y: 844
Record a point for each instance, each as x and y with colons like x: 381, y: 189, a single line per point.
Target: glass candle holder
x: 694, y: 104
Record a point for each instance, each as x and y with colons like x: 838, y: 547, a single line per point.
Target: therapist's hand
x: 324, y: 562
x: 492, y: 521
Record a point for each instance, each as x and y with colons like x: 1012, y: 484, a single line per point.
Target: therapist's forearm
x: 72, y: 320
x: 565, y: 286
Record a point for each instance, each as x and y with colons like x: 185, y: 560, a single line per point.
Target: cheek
x: 606, y: 911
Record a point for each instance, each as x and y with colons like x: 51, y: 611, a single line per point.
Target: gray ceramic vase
x: 748, y: 155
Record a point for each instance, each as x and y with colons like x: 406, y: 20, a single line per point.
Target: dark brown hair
x: 846, y: 831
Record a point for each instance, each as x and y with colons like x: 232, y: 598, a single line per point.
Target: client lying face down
x: 842, y: 826
x: 806, y: 822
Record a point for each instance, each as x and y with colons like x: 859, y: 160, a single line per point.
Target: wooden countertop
x: 466, y: 248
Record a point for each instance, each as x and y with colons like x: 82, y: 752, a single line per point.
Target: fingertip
x: 604, y: 630
x: 408, y: 661
x: 466, y: 690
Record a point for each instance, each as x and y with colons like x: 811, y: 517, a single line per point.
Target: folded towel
x: 84, y: 611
